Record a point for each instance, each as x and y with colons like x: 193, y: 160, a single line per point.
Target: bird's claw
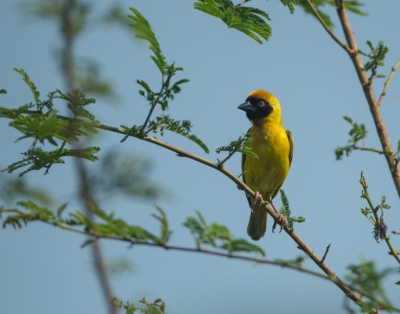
x: 282, y: 221
x: 257, y: 198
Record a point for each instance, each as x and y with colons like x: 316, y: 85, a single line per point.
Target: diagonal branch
x: 330, y: 32
x: 241, y: 3
x: 369, y: 94
x: 383, y: 94
x: 374, y: 150
x: 301, y: 244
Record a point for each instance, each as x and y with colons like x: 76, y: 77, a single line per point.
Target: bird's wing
x: 244, y: 180
x: 290, y: 138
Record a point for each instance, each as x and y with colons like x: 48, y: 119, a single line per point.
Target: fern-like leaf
x: 143, y: 31
x: 31, y: 85
x: 250, y: 21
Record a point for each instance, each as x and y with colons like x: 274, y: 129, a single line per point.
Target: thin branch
x: 326, y: 254
x: 304, y: 247
x: 369, y: 94
x: 330, y: 32
x: 365, y: 195
x: 241, y: 3
x: 57, y: 155
x: 154, y: 105
x: 385, y: 87
x: 98, y: 235
x: 68, y: 69
x: 374, y: 150
x: 301, y: 244
x: 230, y: 154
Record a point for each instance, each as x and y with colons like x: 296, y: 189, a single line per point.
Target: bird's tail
x: 257, y: 223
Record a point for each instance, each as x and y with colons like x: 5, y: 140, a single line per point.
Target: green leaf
x: 357, y: 133
x: 367, y: 277
x: 14, y: 113
x: 240, y: 145
x: 375, y: 58
x: 33, y: 212
x: 37, y: 159
x: 290, y: 4
x: 383, y: 203
x: 286, y: 212
x: 61, y: 209
x: 248, y: 153
x: 218, y: 236
x: 242, y: 245
x: 247, y: 20
x: 297, y: 261
x: 350, y: 5
x: 41, y: 127
x: 183, y: 128
x: 30, y: 84
x: 3, y: 91
x: 165, y: 232
x: 143, y: 31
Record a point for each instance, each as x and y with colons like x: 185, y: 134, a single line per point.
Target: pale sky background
x: 44, y: 270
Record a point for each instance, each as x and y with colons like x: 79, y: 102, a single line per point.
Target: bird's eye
x: 261, y: 103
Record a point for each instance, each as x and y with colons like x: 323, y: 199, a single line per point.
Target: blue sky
x: 45, y: 270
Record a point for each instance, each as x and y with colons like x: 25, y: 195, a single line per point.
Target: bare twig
x: 326, y: 254
x: 385, y: 87
x: 153, y: 106
x: 374, y: 150
x: 330, y: 32
x: 58, y: 155
x: 241, y: 3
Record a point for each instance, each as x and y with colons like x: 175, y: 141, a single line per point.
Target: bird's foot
x: 282, y: 219
x: 257, y: 198
x: 282, y: 222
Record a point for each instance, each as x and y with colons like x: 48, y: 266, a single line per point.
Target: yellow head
x: 262, y: 105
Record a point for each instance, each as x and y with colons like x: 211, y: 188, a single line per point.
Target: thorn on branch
x: 326, y: 254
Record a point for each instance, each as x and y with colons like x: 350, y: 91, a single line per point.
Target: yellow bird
x: 274, y: 148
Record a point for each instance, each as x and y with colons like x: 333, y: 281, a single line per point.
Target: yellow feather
x: 274, y: 148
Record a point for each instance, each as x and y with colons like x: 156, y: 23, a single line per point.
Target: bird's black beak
x: 247, y: 107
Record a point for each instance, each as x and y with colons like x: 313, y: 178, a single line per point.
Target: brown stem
x: 299, y: 268
x: 241, y: 3
x: 302, y: 245
x: 374, y: 150
x: 58, y: 155
x: 330, y: 32
x: 369, y: 94
x: 383, y: 94
x: 68, y: 72
x: 283, y: 264
x: 326, y: 253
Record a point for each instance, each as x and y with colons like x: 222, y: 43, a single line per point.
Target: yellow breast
x: 267, y: 173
